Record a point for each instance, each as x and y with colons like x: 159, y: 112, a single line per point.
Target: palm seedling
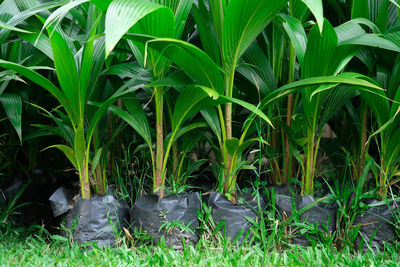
x: 384, y: 108
x: 235, y: 39
x: 214, y: 70
x: 327, y: 51
x: 15, y: 50
x: 142, y: 21
x: 77, y: 71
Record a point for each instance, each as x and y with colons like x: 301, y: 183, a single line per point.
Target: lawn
x: 41, y: 249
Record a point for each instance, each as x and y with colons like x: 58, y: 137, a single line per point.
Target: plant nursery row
x: 262, y: 121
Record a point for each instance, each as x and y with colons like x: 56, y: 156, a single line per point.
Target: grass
x: 44, y: 250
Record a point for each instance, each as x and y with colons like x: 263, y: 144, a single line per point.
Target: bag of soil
x: 234, y: 217
x: 319, y: 214
x: 376, y: 227
x: 173, y: 217
x: 93, y: 220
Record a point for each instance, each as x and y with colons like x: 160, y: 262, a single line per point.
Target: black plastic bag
x: 376, y: 227
x: 168, y: 217
x: 283, y: 190
x: 96, y: 219
x: 283, y: 195
x: 234, y: 216
x: 319, y: 213
x: 61, y: 201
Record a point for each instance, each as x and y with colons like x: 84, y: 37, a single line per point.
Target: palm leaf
x: 243, y: 22
x: 12, y: 105
x: 123, y: 14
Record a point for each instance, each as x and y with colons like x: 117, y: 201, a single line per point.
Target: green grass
x: 43, y: 250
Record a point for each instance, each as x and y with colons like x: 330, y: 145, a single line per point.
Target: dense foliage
x: 159, y: 94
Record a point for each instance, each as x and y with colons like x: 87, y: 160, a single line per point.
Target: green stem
x: 159, y: 182
x: 289, y: 113
x: 363, y: 139
x: 230, y: 184
x: 306, y: 188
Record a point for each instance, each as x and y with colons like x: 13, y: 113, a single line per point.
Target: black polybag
x: 95, y: 219
x: 234, y: 216
x: 284, y: 190
x: 61, y: 201
x: 376, y: 227
x: 319, y: 213
x: 283, y: 195
x: 157, y: 216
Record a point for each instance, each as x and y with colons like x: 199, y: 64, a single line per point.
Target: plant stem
x: 158, y: 184
x: 307, y: 179
x: 363, y: 139
x: 85, y: 184
x: 230, y: 185
x: 289, y: 113
x: 175, y: 155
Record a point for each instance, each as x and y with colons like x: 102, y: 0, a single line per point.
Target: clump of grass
x: 41, y: 249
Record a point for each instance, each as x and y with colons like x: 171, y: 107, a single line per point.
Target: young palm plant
x: 77, y: 74
x: 234, y: 33
x: 326, y: 53
x: 161, y: 19
x: 204, y: 70
x: 385, y: 107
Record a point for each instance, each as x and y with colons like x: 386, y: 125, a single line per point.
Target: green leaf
x: 317, y: 62
x: 371, y: 40
x: 123, y: 14
x: 63, y: 128
x: 41, y: 81
x: 249, y: 142
x: 211, y: 117
x: 319, y: 52
x: 205, y: 27
x: 101, y: 4
x: 11, y: 28
x: 360, y: 9
x: 69, y: 153
x: 22, y: 16
x: 136, y: 118
x: 260, y: 65
x: 185, y: 103
x: 316, y: 8
x: 67, y: 74
x: 58, y: 14
x: 248, y: 106
x: 243, y: 22
x: 96, y: 158
x: 12, y: 105
x: 41, y: 42
x: 122, y: 91
x: 217, y: 9
x: 181, y: 9
x: 295, y: 31
x: 134, y: 108
x: 197, y: 64
x: 344, y: 78
x: 185, y: 129
x: 80, y: 146
x: 231, y: 145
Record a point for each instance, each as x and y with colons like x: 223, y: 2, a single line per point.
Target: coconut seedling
x: 384, y: 108
x: 214, y: 69
x: 77, y: 72
x: 205, y: 70
x: 268, y: 63
x: 319, y: 103
x: 18, y: 51
x: 142, y: 20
